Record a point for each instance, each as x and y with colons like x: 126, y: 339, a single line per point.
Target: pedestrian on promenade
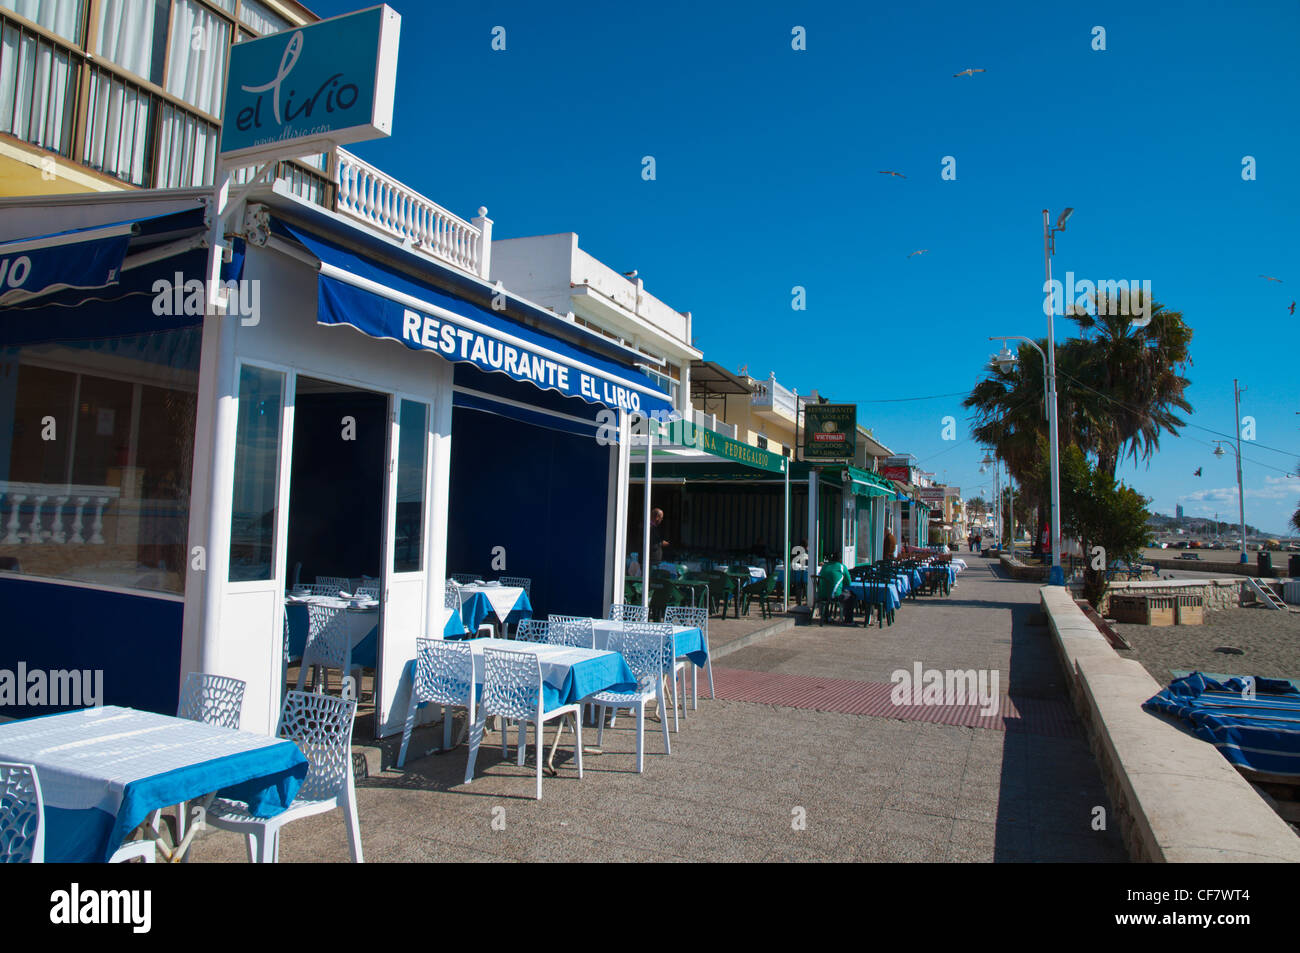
x: 657, y: 541
x: 891, y: 544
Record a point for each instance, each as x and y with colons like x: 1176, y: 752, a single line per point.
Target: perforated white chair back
x: 533, y: 630
x: 524, y: 582
x: 452, y: 598
x: 212, y: 699
x: 22, y: 827
x: 444, y: 672
x: 626, y: 612
x: 335, y: 583
x: 512, y: 684
x: 696, y: 617
x: 321, y: 727
x: 574, y: 631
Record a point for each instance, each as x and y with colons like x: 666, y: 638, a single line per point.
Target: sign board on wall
x: 292, y: 93
x: 932, y: 496
x: 901, y: 474
x: 830, y: 431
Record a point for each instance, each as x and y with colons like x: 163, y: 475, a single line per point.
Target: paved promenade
x: 798, y: 760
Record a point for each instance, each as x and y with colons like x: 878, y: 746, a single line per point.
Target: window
x: 257, y: 474
x: 37, y: 90
x: 96, y: 451
x: 761, y: 441
x: 408, y: 541
x: 261, y: 18
x: 58, y: 16
x: 133, y: 34
x: 196, y: 60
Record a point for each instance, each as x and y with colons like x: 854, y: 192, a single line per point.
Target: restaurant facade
x: 168, y: 475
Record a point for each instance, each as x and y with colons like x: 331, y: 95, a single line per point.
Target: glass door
x: 405, y: 611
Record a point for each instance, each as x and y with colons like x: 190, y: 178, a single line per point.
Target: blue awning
x: 81, y: 258
x: 384, y: 303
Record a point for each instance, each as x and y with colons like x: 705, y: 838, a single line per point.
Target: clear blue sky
x: 767, y: 164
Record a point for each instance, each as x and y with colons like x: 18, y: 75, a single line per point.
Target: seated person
x: 833, y: 584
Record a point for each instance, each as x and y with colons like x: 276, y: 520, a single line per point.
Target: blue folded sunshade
x: 1258, y: 729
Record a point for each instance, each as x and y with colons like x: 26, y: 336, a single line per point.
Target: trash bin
x: 1265, y: 563
x: 1293, y: 566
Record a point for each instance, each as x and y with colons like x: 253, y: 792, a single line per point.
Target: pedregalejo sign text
x: 294, y: 92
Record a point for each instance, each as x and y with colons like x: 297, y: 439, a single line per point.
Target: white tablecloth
x: 501, y: 598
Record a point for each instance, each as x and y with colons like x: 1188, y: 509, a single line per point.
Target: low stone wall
x: 1175, y: 797
x: 1217, y: 593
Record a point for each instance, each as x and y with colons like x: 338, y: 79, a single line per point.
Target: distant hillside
x: 1201, y: 526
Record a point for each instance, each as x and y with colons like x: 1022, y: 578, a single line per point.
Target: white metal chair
x: 465, y: 578
x: 572, y: 630
x: 211, y: 700
x: 523, y: 582
x: 625, y: 612
x: 512, y: 688
x: 335, y: 584
x: 533, y: 630
x: 321, y: 727
x: 647, y: 649
x: 22, y: 815
x: 329, y: 645
x: 444, y: 675
x: 695, y: 618
x: 364, y: 591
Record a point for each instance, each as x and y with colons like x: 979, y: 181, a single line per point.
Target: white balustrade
x: 382, y: 202
x: 13, y: 496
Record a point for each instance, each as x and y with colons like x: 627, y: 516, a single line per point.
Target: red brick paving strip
x: 848, y: 697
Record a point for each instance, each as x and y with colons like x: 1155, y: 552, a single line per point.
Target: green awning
x: 866, y: 483
x: 687, y: 435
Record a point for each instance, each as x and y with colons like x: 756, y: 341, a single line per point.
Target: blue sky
x: 767, y: 166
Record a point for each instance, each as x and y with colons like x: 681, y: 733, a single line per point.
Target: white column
x: 786, y: 560
x: 645, y: 517
x: 620, y: 466
x: 484, y: 225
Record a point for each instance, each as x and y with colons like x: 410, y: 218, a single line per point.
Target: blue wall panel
x: 134, y: 640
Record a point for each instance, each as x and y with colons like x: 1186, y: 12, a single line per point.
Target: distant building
x: 1178, y: 510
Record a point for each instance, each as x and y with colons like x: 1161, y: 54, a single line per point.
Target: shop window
x: 96, y: 451
x: 257, y: 474
x: 408, y: 542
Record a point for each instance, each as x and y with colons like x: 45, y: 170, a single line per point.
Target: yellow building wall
x: 28, y: 171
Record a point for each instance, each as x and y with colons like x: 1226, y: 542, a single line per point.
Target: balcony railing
x: 712, y: 422
x: 382, y: 202
x: 772, y: 397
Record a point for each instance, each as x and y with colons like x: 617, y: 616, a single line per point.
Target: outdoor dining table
x: 361, y: 621
x: 509, y: 604
x: 103, y: 771
x: 568, y: 675
x: 873, y: 592
x: 688, y: 641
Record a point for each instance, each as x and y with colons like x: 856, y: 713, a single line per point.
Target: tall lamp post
x: 1218, y: 452
x: 997, y: 502
x: 1057, y: 576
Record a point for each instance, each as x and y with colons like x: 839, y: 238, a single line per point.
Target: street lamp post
x: 1218, y: 452
x: 1057, y: 577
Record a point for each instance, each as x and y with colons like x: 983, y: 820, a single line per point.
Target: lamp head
x: 1005, y: 359
x: 1060, y: 222
x: 1218, y: 451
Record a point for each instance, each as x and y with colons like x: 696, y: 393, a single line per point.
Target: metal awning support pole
x: 812, y: 537
x: 622, y: 484
x: 645, y: 516
x: 786, y: 560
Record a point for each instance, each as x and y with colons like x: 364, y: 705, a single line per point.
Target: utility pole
x: 1241, y: 495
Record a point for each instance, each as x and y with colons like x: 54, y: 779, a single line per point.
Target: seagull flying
x: 1267, y: 278
x: 899, y: 174
x: 1198, y: 471
x: 1292, y: 308
x: 920, y: 252
x: 630, y: 274
x: 968, y: 72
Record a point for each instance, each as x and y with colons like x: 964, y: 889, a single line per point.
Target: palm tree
x: 1134, y: 374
